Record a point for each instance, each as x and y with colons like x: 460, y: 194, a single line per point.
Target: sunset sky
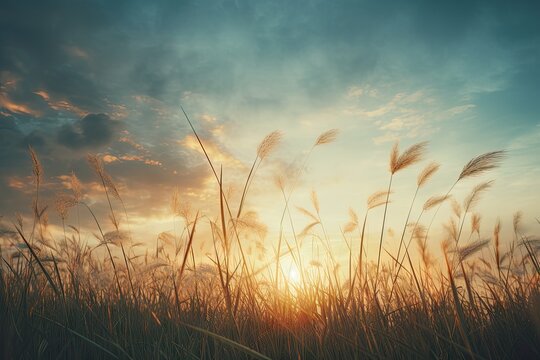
x: 108, y: 78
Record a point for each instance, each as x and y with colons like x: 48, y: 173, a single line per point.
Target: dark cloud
x: 7, y: 126
x: 89, y: 53
x: 90, y: 132
x: 34, y: 139
x: 14, y: 142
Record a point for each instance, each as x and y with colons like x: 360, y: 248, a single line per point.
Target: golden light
x: 294, y: 276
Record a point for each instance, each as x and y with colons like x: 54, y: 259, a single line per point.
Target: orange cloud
x: 8, y: 80
x: 5, y: 102
x: 131, y: 142
x: 43, y: 94
x: 152, y: 162
x: 67, y: 106
x: 118, y: 111
x: 59, y: 105
x: 141, y: 159
x: 107, y: 159
x: 24, y: 184
x: 16, y: 183
x: 77, y: 52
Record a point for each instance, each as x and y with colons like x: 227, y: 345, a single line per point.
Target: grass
x: 63, y: 298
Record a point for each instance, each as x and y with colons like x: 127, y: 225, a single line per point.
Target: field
x: 128, y: 298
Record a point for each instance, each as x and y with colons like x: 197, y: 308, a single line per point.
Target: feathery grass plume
x: 419, y: 235
x: 108, y: 185
x: 149, y: 267
x: 445, y: 245
x: 456, y: 208
x: 409, y: 157
x: 114, y: 221
x: 250, y: 221
x: 419, y: 231
x: 434, y: 201
x: 398, y: 162
x: 269, y: 143
x: 481, y: 164
x: 115, y: 237
x: 475, y: 223
x: 63, y: 203
x: 76, y: 187
x: 353, y: 222
x: 166, y: 238
x: 496, y: 240
x: 327, y: 137
x: 377, y: 199
x: 467, y: 250
x: 279, y: 182
x: 305, y: 231
x: 315, y: 201
x: 111, y: 185
x: 307, y: 213
x: 185, y: 211
x: 427, y: 173
x: 452, y: 229
x: 394, y: 155
x: 474, y: 167
x: 95, y: 163
x: 471, y: 200
x: 517, y: 220
x: 37, y: 169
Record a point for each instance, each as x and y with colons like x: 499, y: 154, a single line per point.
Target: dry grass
x: 61, y: 297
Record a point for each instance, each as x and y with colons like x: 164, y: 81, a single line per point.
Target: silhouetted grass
x: 60, y: 298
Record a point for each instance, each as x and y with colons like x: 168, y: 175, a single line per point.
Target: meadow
x: 121, y: 297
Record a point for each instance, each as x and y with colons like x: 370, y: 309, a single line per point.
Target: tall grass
x: 61, y: 297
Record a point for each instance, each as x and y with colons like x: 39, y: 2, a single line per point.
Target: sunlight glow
x: 294, y: 276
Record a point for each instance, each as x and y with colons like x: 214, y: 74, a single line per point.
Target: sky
x: 109, y: 78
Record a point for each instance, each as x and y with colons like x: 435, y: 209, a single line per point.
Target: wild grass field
x: 122, y: 297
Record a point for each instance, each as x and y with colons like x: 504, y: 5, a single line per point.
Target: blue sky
x: 108, y: 78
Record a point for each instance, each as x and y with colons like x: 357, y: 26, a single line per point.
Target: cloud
x: 14, y: 141
x: 90, y: 132
x: 145, y: 176
x: 253, y: 65
x: 15, y: 163
x: 13, y: 107
x: 214, y: 149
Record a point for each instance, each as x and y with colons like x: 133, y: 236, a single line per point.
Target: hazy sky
x: 108, y: 77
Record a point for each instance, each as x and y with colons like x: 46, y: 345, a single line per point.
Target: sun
x: 294, y: 276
